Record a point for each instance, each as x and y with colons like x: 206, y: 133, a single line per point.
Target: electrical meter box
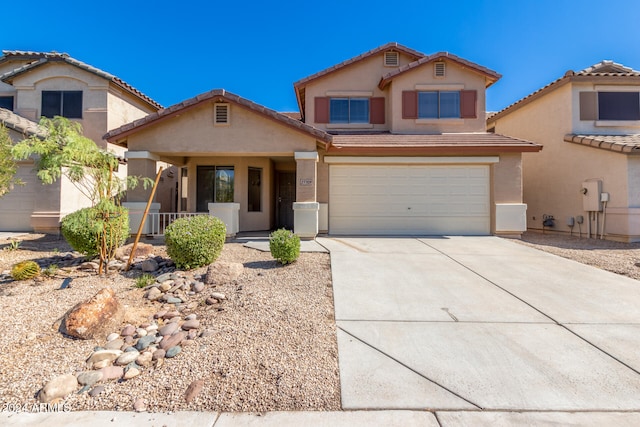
x: 591, y: 190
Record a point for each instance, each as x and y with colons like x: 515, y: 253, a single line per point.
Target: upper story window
x: 610, y: 106
x: 65, y: 103
x: 439, y: 105
x: 349, y: 110
x: 6, y: 102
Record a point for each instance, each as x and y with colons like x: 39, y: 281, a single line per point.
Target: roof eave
x: 437, y: 150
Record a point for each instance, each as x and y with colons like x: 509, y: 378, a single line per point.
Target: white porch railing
x: 158, y: 221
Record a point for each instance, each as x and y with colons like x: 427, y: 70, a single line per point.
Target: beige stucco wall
x: 457, y: 78
x: 553, y: 177
x: 193, y: 133
x: 362, y: 76
x: 249, y: 221
x: 506, y: 177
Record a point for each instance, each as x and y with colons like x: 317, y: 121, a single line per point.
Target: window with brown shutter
x: 376, y: 111
x: 409, y: 104
x: 321, y: 105
x: 468, y: 101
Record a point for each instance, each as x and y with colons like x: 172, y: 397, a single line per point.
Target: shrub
x: 25, y: 270
x: 195, y: 241
x: 145, y: 280
x: 284, y: 246
x: 84, y: 229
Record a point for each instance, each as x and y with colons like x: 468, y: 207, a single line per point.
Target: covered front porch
x: 249, y: 193
x: 251, y: 166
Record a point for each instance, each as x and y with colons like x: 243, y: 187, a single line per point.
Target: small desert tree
x: 8, y: 166
x: 65, y: 151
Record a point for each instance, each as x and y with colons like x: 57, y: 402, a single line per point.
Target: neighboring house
x: 589, y: 170
x: 34, y: 84
x: 389, y: 142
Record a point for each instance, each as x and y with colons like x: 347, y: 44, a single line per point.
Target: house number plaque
x: 306, y: 181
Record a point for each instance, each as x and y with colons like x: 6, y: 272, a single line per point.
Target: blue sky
x: 175, y: 50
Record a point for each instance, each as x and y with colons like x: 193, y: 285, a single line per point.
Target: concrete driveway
x: 481, y: 323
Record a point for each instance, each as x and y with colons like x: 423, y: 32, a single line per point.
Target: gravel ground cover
x: 617, y: 257
x: 270, y: 346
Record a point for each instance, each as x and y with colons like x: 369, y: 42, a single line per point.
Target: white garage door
x: 17, y: 206
x: 409, y: 199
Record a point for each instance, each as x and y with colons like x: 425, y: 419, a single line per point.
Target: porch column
x: 305, y: 208
x: 141, y: 164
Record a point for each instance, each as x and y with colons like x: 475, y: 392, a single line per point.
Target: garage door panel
x: 411, y: 199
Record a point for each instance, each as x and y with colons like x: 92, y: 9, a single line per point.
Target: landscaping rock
x: 140, y: 405
x: 145, y: 342
x: 173, y: 351
x: 115, y: 344
x: 169, y: 328
x: 158, y: 354
x: 128, y: 331
x: 112, y: 373
x: 101, y: 355
x: 142, y: 250
x: 94, y: 317
x: 149, y: 265
x: 89, y: 377
x: 197, y: 287
x: 153, y: 294
x: 145, y: 359
x: 96, y: 390
x: 112, y: 336
x: 222, y: 272
x: 58, y: 388
x: 193, y: 390
x: 172, y: 340
x: 191, y: 324
x: 219, y: 296
x: 127, y: 357
x: 131, y: 373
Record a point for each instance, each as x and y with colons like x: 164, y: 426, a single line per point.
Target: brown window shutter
x: 376, y: 111
x: 409, y: 104
x: 468, y: 101
x: 588, y: 105
x: 322, y: 109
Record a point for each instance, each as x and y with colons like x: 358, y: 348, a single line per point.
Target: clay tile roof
x: 365, y: 55
x: 18, y: 123
x: 214, y: 95
x: 627, y: 144
x: 604, y: 70
x: 490, y: 74
x: 445, y: 142
x: 41, y: 58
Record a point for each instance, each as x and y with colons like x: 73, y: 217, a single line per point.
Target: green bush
x: 195, y: 241
x: 84, y: 229
x: 284, y: 246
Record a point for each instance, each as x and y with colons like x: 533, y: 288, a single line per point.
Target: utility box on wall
x: 591, y: 190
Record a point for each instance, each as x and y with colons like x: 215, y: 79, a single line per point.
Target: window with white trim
x: 215, y: 184
x: 439, y: 105
x: 618, y: 106
x: 349, y: 110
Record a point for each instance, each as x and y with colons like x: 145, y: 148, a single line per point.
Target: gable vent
x: 221, y: 114
x: 391, y: 59
x: 439, y: 69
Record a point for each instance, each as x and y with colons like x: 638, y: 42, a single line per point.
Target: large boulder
x: 94, y: 318
x: 142, y: 250
x: 222, y: 273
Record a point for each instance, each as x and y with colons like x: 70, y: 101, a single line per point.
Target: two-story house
x: 35, y: 84
x: 588, y: 175
x: 389, y: 142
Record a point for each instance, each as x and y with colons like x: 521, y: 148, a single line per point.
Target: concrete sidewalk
x: 322, y: 419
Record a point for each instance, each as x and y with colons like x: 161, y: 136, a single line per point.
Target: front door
x: 285, y: 196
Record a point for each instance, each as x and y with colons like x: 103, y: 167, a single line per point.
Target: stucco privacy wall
x: 362, y: 77
x: 561, y: 166
x: 422, y: 78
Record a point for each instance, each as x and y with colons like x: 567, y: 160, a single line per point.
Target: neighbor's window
x: 6, y: 102
x: 439, y: 105
x: 214, y: 185
x: 65, y: 103
x: 618, y: 106
x: 349, y: 110
x: 255, y: 190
